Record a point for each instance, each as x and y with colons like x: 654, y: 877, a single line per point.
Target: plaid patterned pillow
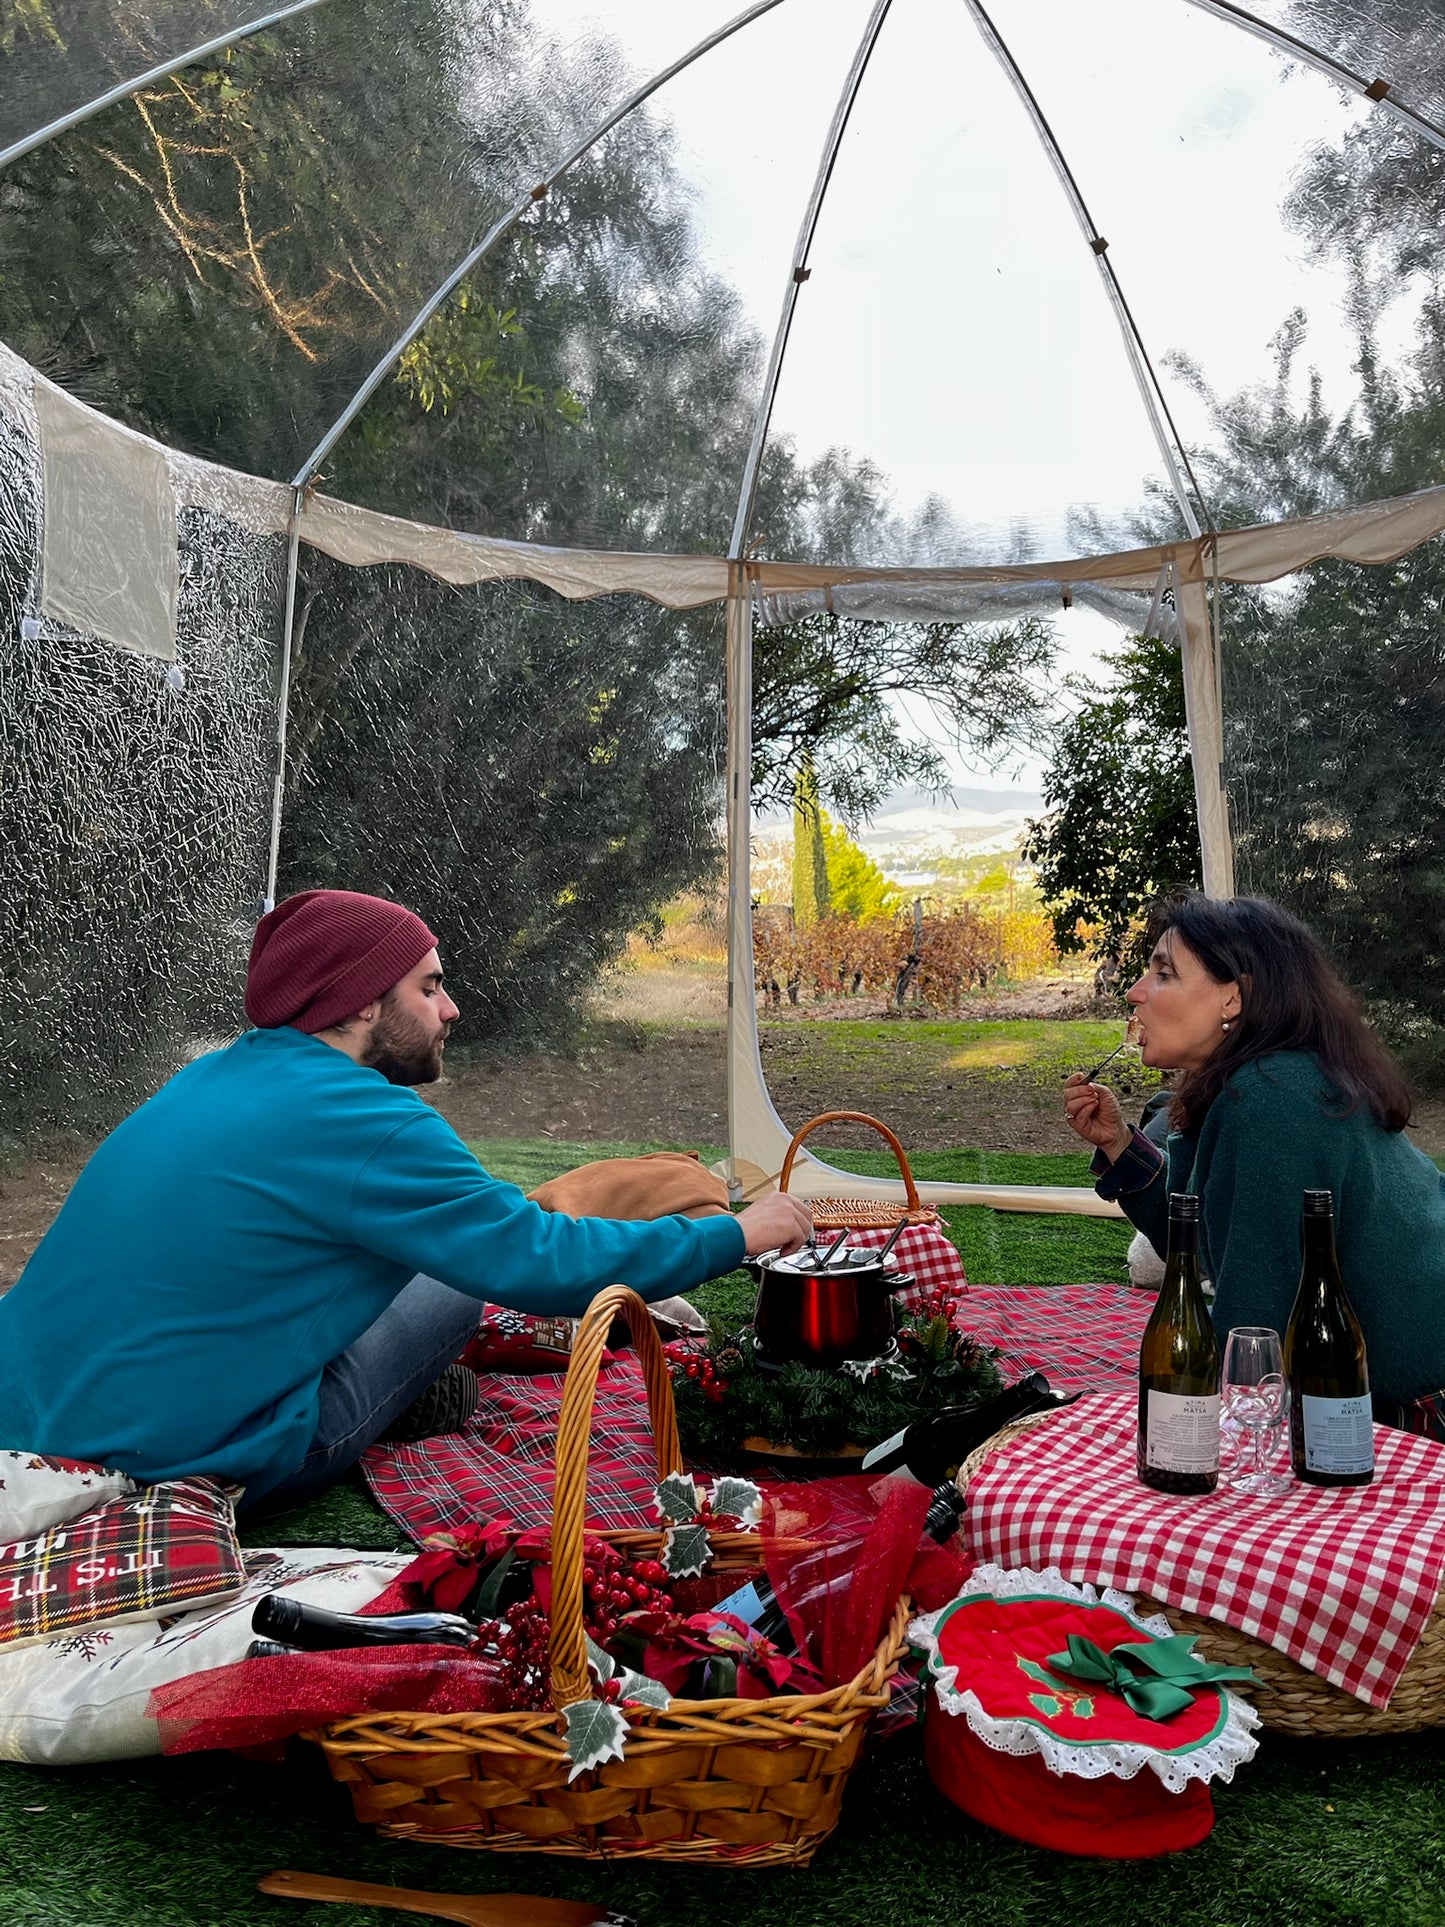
x: 162, y: 1549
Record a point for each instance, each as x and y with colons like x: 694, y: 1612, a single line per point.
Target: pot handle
x: 853, y: 1117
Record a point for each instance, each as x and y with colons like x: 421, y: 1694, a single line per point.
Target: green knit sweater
x: 1267, y: 1137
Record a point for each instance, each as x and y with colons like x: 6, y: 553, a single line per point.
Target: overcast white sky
x: 955, y: 329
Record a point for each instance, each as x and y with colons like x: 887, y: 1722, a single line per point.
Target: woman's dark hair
x: 1291, y: 998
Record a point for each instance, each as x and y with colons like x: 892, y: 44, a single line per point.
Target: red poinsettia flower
x: 445, y: 1573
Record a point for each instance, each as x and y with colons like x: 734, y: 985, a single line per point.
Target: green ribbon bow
x: 1171, y: 1676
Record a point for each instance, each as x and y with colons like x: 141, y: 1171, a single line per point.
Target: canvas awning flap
x: 1372, y: 532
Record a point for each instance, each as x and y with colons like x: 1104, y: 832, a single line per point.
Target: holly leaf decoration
x: 685, y: 1551
x: 677, y: 1499
x: 636, y: 1687
x: 1045, y: 1702
x: 738, y: 1499
x: 599, y: 1659
x: 1035, y: 1671
x: 595, y: 1733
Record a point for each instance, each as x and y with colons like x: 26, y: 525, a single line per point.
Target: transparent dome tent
x: 412, y: 407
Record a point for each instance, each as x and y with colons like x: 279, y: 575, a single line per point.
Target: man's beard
x: 403, y: 1049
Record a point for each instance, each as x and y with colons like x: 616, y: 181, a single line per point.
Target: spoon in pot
x: 822, y: 1263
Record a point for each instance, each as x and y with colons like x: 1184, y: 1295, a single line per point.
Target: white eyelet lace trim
x: 1215, y: 1760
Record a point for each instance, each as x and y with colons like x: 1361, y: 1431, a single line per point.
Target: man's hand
x: 1092, y: 1110
x: 776, y: 1223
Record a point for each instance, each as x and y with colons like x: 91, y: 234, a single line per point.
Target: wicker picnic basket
x: 1288, y: 1698
x: 740, y: 1781
x: 860, y: 1214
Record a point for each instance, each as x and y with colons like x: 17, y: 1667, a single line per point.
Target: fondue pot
x: 821, y: 1314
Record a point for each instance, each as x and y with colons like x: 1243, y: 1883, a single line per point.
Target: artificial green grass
x: 1309, y: 1835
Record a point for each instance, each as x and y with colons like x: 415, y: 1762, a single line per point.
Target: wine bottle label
x: 1183, y: 1432
x: 1339, y: 1434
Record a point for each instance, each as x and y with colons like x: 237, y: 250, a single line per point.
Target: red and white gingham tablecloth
x: 924, y: 1252
x: 1342, y: 1580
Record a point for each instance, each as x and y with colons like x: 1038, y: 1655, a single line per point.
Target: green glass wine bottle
x: 1179, y: 1369
x: 1331, y: 1432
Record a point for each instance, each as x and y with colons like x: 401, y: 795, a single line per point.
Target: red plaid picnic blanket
x: 502, y: 1463
x: 1083, y: 1338
x: 1343, y: 1581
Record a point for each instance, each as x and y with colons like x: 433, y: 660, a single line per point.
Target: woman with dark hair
x: 1280, y: 1086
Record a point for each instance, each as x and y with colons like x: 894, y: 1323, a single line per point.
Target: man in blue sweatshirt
x: 279, y: 1255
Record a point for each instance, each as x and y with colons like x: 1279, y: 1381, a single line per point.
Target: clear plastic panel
x: 134, y: 817
x: 1397, y: 41
x: 1333, y: 718
x: 57, y: 56
x: 953, y: 333
x: 539, y: 779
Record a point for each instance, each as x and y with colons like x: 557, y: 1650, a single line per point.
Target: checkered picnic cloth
x: 1083, y: 1338
x: 925, y: 1253
x: 1342, y: 1580
x: 502, y: 1463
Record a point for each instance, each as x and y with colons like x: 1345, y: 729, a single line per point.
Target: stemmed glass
x: 1256, y: 1400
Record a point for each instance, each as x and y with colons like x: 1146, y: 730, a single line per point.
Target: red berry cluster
x: 943, y: 1303
x: 610, y: 1588
x: 706, y: 1373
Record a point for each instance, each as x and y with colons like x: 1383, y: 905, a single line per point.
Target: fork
x: 1103, y: 1063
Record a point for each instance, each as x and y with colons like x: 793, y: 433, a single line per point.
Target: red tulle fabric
x: 867, y: 1542
x: 258, y: 1703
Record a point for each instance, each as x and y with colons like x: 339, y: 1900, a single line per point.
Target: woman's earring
x: 1224, y: 1025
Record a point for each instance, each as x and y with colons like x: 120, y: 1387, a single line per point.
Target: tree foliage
x: 857, y: 888
x: 1120, y: 827
x: 811, y: 896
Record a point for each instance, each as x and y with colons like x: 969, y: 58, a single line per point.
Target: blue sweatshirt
x: 244, y: 1227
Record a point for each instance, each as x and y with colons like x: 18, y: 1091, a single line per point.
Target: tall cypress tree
x: 811, y: 897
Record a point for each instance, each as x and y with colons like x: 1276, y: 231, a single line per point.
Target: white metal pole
x: 283, y: 697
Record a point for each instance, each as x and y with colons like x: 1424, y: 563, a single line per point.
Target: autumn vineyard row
x: 933, y: 961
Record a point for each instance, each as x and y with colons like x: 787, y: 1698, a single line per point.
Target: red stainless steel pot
x: 821, y: 1318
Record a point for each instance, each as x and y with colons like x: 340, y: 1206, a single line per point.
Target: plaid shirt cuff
x: 1135, y: 1168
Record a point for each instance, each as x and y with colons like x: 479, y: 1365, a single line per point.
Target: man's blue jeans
x: 362, y: 1391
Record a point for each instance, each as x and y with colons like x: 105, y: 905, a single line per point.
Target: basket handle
x: 851, y: 1117
x: 571, y: 1680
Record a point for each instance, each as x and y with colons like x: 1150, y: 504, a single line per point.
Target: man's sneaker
x: 443, y: 1407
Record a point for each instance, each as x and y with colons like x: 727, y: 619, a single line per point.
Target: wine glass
x: 1256, y: 1399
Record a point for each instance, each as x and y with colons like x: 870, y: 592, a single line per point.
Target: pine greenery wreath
x: 725, y: 1397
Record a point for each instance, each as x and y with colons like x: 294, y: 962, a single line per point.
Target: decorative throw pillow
x: 157, y: 1550
x: 519, y: 1341
x: 38, y: 1492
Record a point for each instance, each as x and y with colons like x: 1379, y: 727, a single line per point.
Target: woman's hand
x: 1092, y: 1111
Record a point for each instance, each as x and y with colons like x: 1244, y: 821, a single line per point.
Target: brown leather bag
x: 662, y: 1184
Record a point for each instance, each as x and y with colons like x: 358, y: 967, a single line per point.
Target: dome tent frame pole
x: 310, y: 467
x: 1198, y: 642
x: 124, y: 89
x: 754, y: 1127
x: 1377, y: 90
x: 283, y: 698
x: 798, y: 273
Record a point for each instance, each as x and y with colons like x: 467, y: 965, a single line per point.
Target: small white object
x: 176, y: 678
x: 1146, y: 1267
x: 30, y: 630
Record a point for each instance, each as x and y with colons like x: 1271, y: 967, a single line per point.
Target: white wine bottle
x: 1331, y: 1432
x: 1179, y: 1369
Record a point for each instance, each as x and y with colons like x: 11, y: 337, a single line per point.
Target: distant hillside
x: 917, y: 839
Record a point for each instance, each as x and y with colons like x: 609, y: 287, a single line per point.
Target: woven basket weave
x: 1289, y: 1698
x: 738, y: 1781
x: 859, y: 1214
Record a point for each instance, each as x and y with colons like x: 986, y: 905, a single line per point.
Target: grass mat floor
x: 1309, y: 1835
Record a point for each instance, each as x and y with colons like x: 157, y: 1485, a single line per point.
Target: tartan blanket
x: 1343, y: 1581
x: 925, y: 1253
x: 501, y: 1465
x: 1083, y: 1338
x: 1079, y: 1335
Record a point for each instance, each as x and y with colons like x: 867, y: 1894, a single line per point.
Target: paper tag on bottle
x: 1183, y: 1432
x: 1339, y: 1434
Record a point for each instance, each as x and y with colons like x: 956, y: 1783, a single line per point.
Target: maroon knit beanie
x: 322, y: 955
